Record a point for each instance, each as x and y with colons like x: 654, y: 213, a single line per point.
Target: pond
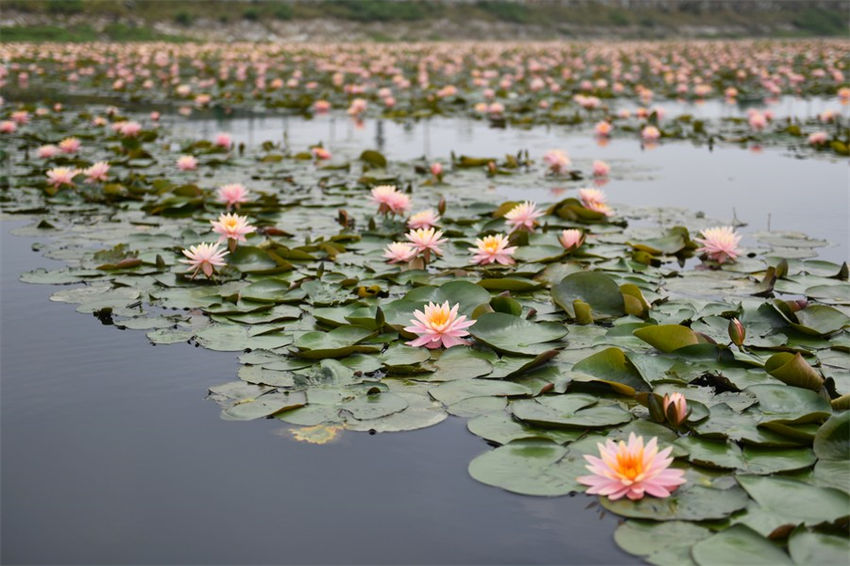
x: 112, y: 454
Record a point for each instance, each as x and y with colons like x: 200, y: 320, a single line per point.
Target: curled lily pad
x: 793, y: 370
x: 611, y: 366
x: 668, y: 337
x: 264, y: 406
x: 595, y: 288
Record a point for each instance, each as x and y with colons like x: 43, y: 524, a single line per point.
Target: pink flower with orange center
x: 491, y: 249
x: 232, y: 227
x: 70, y: 145
x: 557, y: 160
x: 603, y: 128
x: 595, y: 200
x: 390, y: 200
x: 650, y: 133
x: 571, y: 239
x: 97, y: 172
x: 321, y: 106
x: 439, y: 325
x: 187, y: 163
x: 8, y: 127
x: 398, y: 252
x: 232, y: 195
x: 601, y: 169
x: 357, y: 107
x: 204, y: 257
x: 426, y: 240
x: 320, y: 153
x: 62, y: 176
x: 523, y: 216
x: 20, y: 117
x: 47, y: 151
x: 720, y: 244
x: 758, y: 121
x: 424, y: 219
x: 632, y: 470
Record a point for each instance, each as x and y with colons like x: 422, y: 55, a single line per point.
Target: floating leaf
x: 529, y: 467
x: 667, y: 337
x: 738, y: 545
x: 514, y: 335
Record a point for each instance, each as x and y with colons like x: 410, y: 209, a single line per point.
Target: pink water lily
x: 59, y: 176
x: 571, y: 238
x: 187, y: 163
x: 595, y: 200
x: 232, y: 228
x: 97, y: 172
x: 70, y: 145
x: 425, y: 219
x: 48, y: 151
x: 557, y: 160
x: 390, y: 200
x: 719, y: 244
x: 399, y: 252
x: 492, y: 249
x: 632, y: 470
x: 601, y: 169
x: 204, y: 257
x: 523, y: 216
x: 223, y: 139
x: 439, y: 325
x: 426, y: 240
x: 232, y: 195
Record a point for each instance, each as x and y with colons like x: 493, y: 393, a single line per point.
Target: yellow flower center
x: 490, y: 245
x: 439, y: 317
x: 630, y: 466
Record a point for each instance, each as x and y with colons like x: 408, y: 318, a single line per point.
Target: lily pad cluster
x: 570, y: 346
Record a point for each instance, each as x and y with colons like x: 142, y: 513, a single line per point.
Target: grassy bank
x: 132, y: 20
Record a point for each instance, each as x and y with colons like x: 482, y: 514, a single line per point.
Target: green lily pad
x: 569, y: 410
x: 514, y: 335
x: 809, y: 547
x: 595, y: 288
x: 738, y: 545
x: 688, y: 503
x: 529, y: 467
x: 337, y: 343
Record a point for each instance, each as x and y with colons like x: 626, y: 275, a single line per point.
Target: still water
x: 767, y: 188
x: 111, y: 454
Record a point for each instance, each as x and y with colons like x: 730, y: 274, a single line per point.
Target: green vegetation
x: 553, y: 18
x: 821, y: 22
x: 84, y: 33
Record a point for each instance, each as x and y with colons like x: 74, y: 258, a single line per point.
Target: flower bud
x: 675, y: 408
x: 737, y: 332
